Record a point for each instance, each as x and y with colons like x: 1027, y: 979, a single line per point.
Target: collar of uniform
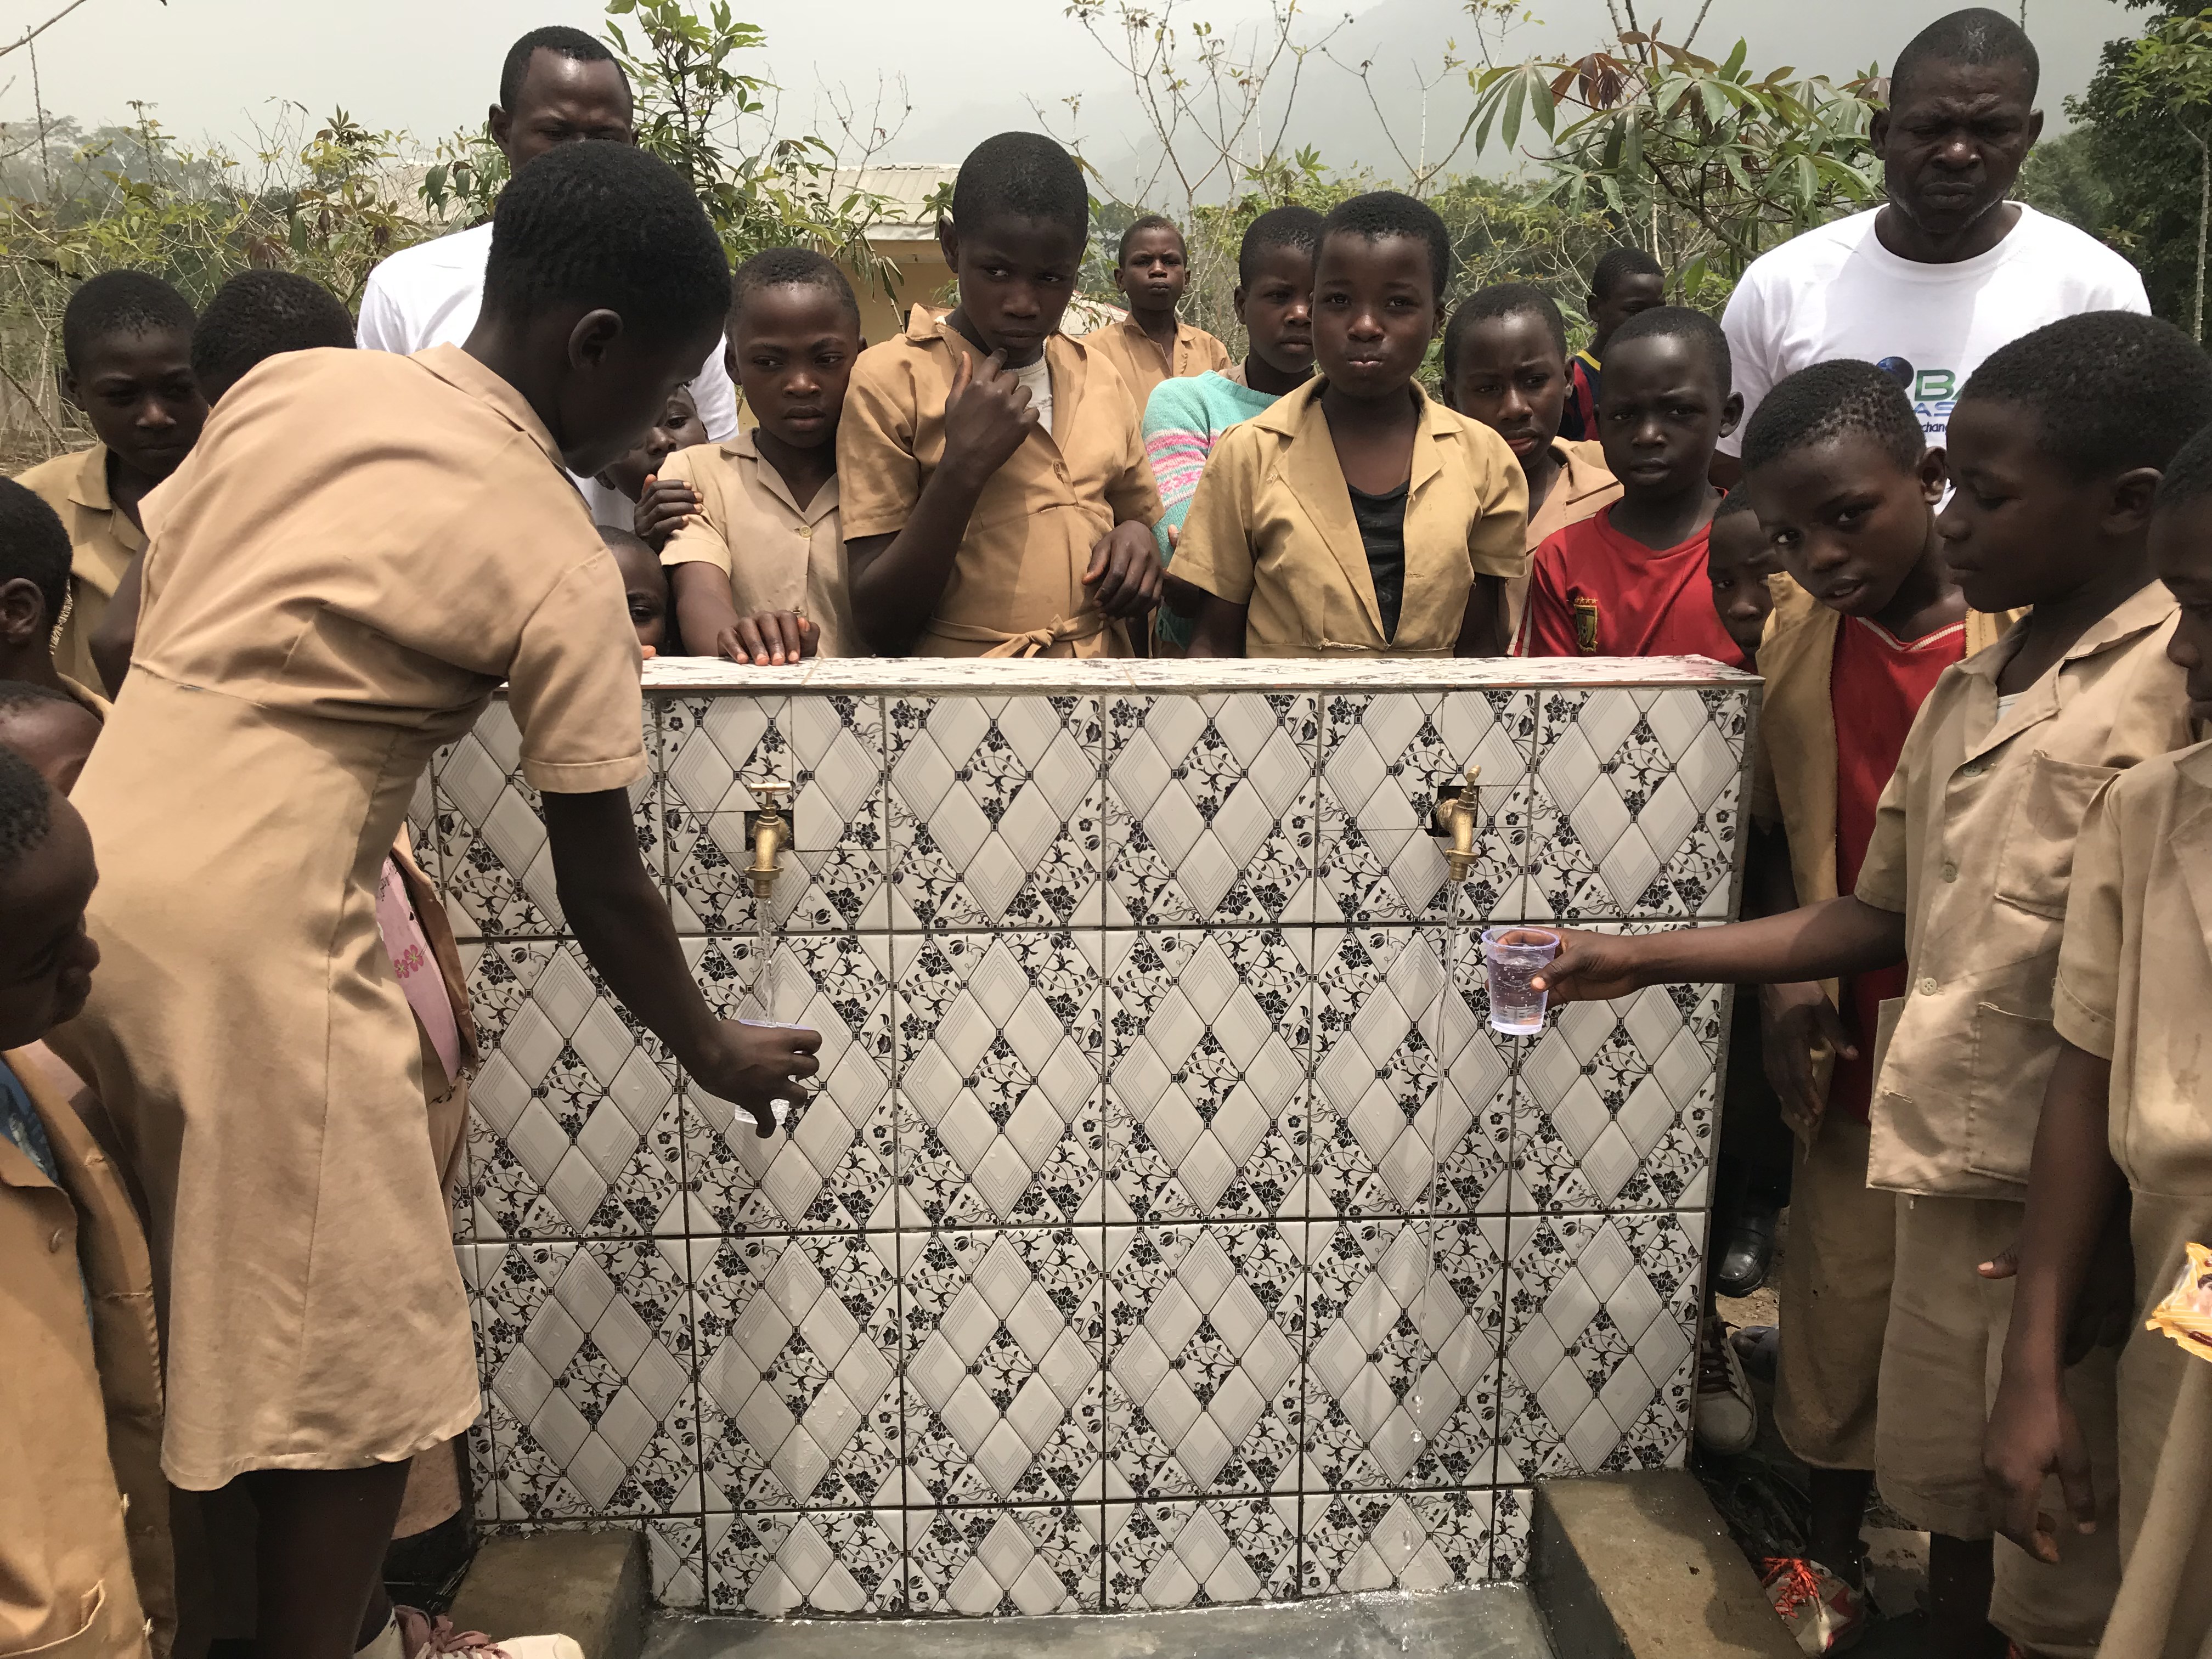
x: 741, y: 449
x: 926, y: 327
x: 1582, y: 471
x: 89, y: 487
x: 2145, y: 608
x: 457, y: 369
x: 2196, y: 764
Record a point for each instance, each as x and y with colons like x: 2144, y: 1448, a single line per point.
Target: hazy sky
x: 972, y: 67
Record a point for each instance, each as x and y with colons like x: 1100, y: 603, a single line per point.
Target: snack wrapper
x: 2185, y: 1314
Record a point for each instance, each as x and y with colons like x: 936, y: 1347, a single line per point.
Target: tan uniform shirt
x: 1973, y: 844
x: 1271, y: 528
x: 85, y: 1562
x: 778, y: 555
x: 362, y: 547
x: 1143, y: 365
x: 103, y: 543
x: 1016, y: 585
x: 1583, y: 488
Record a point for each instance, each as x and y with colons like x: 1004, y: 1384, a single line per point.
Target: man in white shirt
x: 558, y: 85
x: 1948, y: 270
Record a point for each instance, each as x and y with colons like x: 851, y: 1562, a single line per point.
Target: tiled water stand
x: 1170, y: 1227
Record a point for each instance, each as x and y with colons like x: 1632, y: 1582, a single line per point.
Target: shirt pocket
x: 1886, y: 1015
x: 2012, y: 1057
x: 2035, y: 866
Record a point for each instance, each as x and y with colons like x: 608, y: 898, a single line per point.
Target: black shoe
x: 1742, y: 1267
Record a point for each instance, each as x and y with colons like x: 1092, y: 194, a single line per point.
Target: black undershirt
x: 1382, y: 522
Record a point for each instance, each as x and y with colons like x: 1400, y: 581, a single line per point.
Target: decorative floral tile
x: 1635, y: 808
x: 1205, y: 1334
x: 673, y: 1552
x: 493, y: 864
x: 820, y: 1562
x: 798, y: 1342
x: 1210, y: 809
x: 1412, y: 1112
x: 1600, y: 1358
x: 828, y: 751
x: 1206, y: 1092
x: 1001, y: 1364
x: 995, y: 811
x: 1413, y: 1541
x: 1403, y: 1321
x: 587, y: 1350
x: 829, y: 1167
x: 422, y: 821
x: 1003, y: 1561
x: 998, y: 1049
x: 574, y: 1125
x: 1205, y: 1551
x: 1513, y: 1517
x: 1383, y: 758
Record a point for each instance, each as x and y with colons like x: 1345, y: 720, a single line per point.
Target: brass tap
x: 771, y: 834
x: 1455, y: 817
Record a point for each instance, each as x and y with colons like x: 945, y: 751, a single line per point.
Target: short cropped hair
x: 1021, y: 175
x: 606, y: 224
x: 2188, y: 476
x: 1501, y: 299
x: 559, y: 39
x: 1382, y: 213
x: 2085, y: 379
x: 119, y: 302
x: 1976, y: 36
x: 1738, y: 500
x: 26, y: 809
x: 1678, y: 323
x: 1291, y: 226
x: 791, y: 267
x: 1828, y: 400
x: 1617, y: 263
x: 18, y: 694
x: 259, y: 314
x: 1150, y: 221
x: 34, y: 547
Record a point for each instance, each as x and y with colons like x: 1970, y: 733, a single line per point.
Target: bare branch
x: 31, y: 34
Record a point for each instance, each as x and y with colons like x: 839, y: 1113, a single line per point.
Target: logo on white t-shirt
x: 1933, y: 392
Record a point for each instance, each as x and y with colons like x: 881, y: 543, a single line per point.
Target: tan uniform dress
x: 2134, y: 986
x: 85, y: 1566
x: 1017, y: 584
x: 1974, y: 843
x: 1143, y: 365
x: 1583, y: 488
x: 103, y: 543
x: 1271, y: 528
x: 1843, y: 1234
x: 359, y: 549
x: 778, y: 555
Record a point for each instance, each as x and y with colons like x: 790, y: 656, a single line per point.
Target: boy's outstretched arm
x: 1820, y: 941
x: 2073, y: 1186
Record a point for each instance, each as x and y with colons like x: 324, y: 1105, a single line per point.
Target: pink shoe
x: 1822, y: 1612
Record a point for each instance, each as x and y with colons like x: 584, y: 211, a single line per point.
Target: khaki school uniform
x: 1583, y: 488
x: 103, y: 543
x: 1974, y: 843
x: 778, y: 555
x: 359, y: 549
x: 1271, y: 528
x: 1843, y: 1234
x: 1143, y: 365
x: 1017, y: 586
x: 85, y: 1564
x: 2134, y: 986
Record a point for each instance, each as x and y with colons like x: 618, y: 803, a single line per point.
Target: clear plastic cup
x: 1514, y: 956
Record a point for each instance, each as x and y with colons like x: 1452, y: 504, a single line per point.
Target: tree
x: 2168, y: 74
x: 2150, y: 171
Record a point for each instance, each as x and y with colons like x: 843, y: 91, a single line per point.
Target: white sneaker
x: 1727, y: 1414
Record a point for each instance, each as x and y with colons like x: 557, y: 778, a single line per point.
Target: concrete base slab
x: 589, y: 1585
x: 1494, y: 1622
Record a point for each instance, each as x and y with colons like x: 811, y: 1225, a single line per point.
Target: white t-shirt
x: 1037, y: 377
x: 429, y: 294
x: 1837, y: 292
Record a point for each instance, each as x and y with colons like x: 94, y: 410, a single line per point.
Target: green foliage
x: 2061, y: 178
x: 2167, y: 75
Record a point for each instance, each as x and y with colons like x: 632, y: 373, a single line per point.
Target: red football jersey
x: 1595, y: 593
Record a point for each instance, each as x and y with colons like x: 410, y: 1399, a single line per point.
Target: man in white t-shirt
x: 1931, y: 283
x: 558, y: 85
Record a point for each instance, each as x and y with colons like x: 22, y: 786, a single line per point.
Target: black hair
x: 2188, y: 476
x: 1382, y: 213
x: 34, y: 546
x: 26, y: 809
x: 1678, y: 323
x: 1616, y: 263
x: 612, y: 536
x: 1738, y: 500
x: 1297, y: 227
x: 791, y: 267
x: 606, y: 224
x: 1150, y: 221
x: 1501, y: 299
x: 17, y: 694
x: 259, y: 314
x: 1021, y: 175
x: 1976, y: 36
x: 2087, y: 380
x: 1829, y: 400
x: 119, y: 302
x: 559, y: 39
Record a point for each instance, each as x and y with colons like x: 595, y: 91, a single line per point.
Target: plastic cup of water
x: 1515, y: 956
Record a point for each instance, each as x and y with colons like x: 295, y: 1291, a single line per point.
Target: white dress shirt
x: 429, y: 294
